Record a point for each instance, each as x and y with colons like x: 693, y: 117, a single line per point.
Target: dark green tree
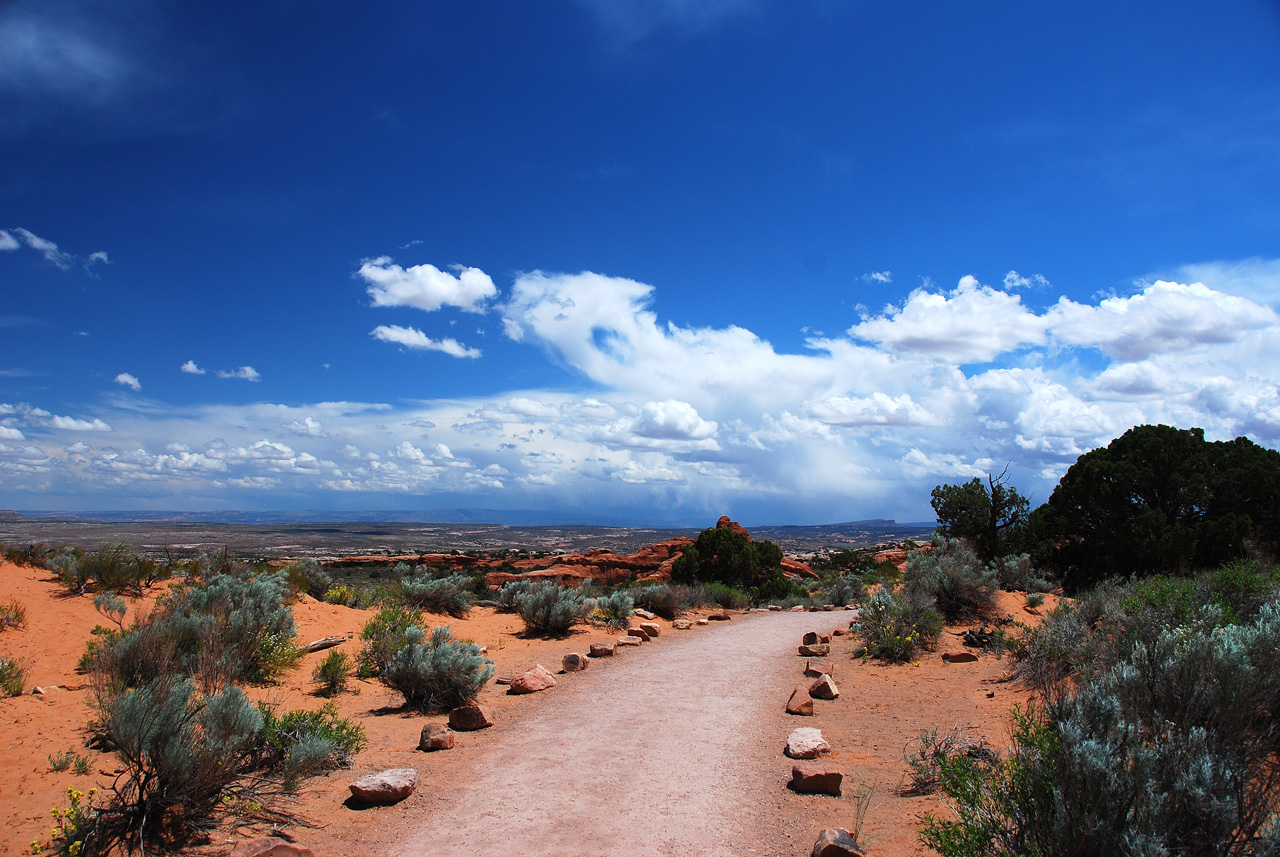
x: 1159, y: 499
x: 990, y: 516
x: 719, y: 555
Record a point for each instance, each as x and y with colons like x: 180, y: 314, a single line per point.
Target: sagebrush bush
x: 722, y: 596
x: 306, y: 577
x: 896, y: 628
x: 299, y: 743
x: 13, y: 676
x: 436, y: 672
x: 331, y: 674
x: 450, y: 595
x: 1172, y: 749
x: 661, y: 599
x: 510, y: 593
x: 550, y: 609
x: 843, y: 589
x: 115, y: 566
x: 384, y: 635
x: 615, y: 610
x: 960, y: 585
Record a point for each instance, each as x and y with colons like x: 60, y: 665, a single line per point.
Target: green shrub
x: 661, y: 599
x: 449, y: 595
x: 1035, y: 600
x: 384, y: 635
x: 182, y: 753
x: 13, y: 676
x: 34, y: 555
x: 437, y: 673
x: 307, y: 742
x: 724, y: 596
x: 12, y: 615
x: 960, y: 585
x: 115, y: 566
x: 843, y: 589
x: 331, y: 674
x: 720, y: 555
x: 615, y: 609
x: 348, y: 596
x: 550, y: 609
x: 1170, y: 750
x: 111, y: 606
x: 894, y: 629
x: 508, y: 596
x: 306, y: 577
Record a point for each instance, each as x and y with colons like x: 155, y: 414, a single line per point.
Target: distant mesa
x: 10, y: 515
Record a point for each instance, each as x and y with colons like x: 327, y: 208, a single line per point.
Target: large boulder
x: 824, y: 688
x: 269, y: 846
x: 801, y: 702
x: 807, y: 743
x: 436, y: 736
x: 390, y: 786
x: 469, y: 718
x: 820, y: 777
x: 837, y: 842
x: 532, y: 681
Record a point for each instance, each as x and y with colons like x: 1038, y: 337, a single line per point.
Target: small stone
x: 653, y: 629
x: 719, y: 617
x: 824, y: 688
x: 469, y: 718
x: 801, y: 702
x: 837, y: 842
x: 574, y: 662
x: 818, y: 667
x: 532, y: 681
x: 682, y: 624
x: 644, y: 614
x: 838, y: 632
x: 774, y: 608
x: 807, y: 743
x: 269, y: 846
x: 824, y: 638
x: 961, y: 657
x: 628, y: 640
x: 436, y: 736
x: 702, y: 622
x: 810, y: 638
x: 602, y: 650
x: 817, y: 650
x: 827, y: 608
x: 390, y: 786
x: 639, y: 632
x: 816, y: 778
x: 799, y: 608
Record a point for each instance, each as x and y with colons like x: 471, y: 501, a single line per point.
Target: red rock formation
x: 725, y: 524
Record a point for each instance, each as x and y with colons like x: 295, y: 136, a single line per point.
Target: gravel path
x: 667, y: 751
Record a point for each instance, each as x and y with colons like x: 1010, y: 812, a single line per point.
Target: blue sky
x: 645, y: 259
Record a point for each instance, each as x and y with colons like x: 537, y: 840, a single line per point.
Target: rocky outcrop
x: 725, y: 524
x: 390, y: 786
x: 601, y: 565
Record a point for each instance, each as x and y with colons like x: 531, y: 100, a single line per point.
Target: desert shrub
x: 1170, y: 750
x: 550, y: 609
x: 75, y: 833
x: 35, y: 555
x: 843, y: 589
x: 69, y: 760
x: 895, y: 628
x: 960, y: 585
x: 182, y: 752
x: 12, y: 615
x: 111, y: 606
x: 115, y: 566
x: 384, y: 635
x: 509, y: 595
x: 661, y: 599
x: 307, y: 742
x: 231, y: 628
x: 437, y: 673
x: 331, y: 674
x: 724, y: 596
x: 1015, y: 572
x: 933, y: 750
x: 720, y: 555
x: 306, y: 577
x: 1035, y: 600
x: 615, y: 609
x: 449, y: 595
x: 13, y: 676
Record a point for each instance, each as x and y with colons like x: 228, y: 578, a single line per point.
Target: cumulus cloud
x: 426, y: 287
x: 411, y: 337
x: 673, y: 420
x: 127, y: 380
x: 73, y: 424
x: 306, y: 427
x: 878, y: 277
x: 971, y: 324
x: 244, y: 373
x: 878, y: 409
x: 191, y: 368
x: 1014, y: 280
x: 8, y: 242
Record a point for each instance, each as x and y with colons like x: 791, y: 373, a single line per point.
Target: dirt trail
x: 672, y: 751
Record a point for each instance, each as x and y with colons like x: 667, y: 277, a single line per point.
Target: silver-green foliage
x: 436, y: 672
x: 548, y: 608
x: 960, y: 584
x: 614, y: 609
x: 449, y: 595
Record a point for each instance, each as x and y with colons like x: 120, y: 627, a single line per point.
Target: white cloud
x: 46, y: 248
x: 673, y: 420
x: 878, y: 409
x: 127, y: 380
x: 244, y: 373
x: 411, y: 337
x: 1164, y: 317
x: 1257, y: 279
x: 1014, y: 280
x: 191, y: 368
x: 306, y: 427
x: 73, y: 424
x: 878, y: 277
x: 8, y: 242
x: 426, y: 287
x: 7, y: 433
x: 972, y: 324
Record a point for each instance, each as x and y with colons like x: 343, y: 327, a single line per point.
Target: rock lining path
x: 668, y: 750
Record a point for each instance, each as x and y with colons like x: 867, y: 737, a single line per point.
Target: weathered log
x: 323, y: 643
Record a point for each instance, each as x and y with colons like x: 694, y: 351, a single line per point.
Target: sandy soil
x: 670, y: 747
